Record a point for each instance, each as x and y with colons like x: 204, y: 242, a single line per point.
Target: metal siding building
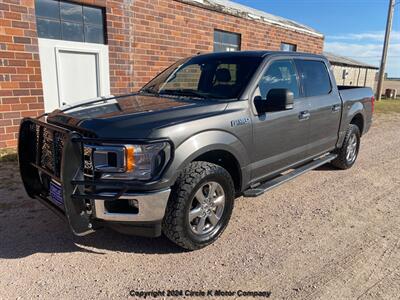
x: 351, y: 72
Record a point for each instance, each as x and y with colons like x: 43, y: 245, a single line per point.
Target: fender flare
x: 204, y: 142
x: 354, y: 109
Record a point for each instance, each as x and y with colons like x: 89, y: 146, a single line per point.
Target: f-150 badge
x: 240, y: 122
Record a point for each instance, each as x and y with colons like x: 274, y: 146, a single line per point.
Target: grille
x: 47, y: 157
x: 46, y: 141
x: 88, y: 164
x: 48, y: 144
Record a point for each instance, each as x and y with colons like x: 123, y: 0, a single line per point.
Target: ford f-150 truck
x: 172, y: 157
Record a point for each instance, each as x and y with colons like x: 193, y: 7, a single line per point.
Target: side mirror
x: 277, y: 100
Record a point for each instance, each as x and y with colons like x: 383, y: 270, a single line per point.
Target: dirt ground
x: 328, y: 234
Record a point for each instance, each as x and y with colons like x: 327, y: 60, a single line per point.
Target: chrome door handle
x: 304, y: 115
x: 336, y: 107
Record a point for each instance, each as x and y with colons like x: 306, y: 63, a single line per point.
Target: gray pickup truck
x: 173, y: 157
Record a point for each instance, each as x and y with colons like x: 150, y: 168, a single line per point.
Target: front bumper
x: 151, y: 207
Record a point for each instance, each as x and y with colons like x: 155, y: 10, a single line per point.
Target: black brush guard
x: 47, y: 151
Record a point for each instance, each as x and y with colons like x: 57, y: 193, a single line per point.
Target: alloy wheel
x: 351, y: 151
x: 207, y: 207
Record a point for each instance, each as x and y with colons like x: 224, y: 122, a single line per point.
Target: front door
x: 280, y: 138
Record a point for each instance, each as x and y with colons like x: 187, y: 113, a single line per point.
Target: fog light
x: 133, y: 203
x: 122, y: 206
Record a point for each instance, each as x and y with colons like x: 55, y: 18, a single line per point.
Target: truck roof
x: 260, y: 53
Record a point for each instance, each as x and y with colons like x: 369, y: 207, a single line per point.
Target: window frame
x: 302, y: 81
x: 249, y: 93
x: 258, y: 64
x: 82, y: 22
x: 291, y: 60
x: 264, y: 69
x: 289, y: 44
x: 239, y: 35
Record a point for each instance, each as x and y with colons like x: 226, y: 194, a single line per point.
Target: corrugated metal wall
x: 356, y: 76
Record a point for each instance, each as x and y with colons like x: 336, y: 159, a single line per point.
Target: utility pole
x: 385, y: 49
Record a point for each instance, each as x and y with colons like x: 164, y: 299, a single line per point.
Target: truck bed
x: 364, y: 96
x: 351, y: 93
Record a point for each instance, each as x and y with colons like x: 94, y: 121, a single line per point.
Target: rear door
x: 325, y: 104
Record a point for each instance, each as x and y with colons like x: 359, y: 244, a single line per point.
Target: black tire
x: 342, y: 161
x: 176, y: 224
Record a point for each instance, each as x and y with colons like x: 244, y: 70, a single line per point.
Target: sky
x: 352, y: 28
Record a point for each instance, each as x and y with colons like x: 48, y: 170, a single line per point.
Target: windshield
x: 215, y: 77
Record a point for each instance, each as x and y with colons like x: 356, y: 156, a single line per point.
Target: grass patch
x: 387, y: 106
x: 8, y: 155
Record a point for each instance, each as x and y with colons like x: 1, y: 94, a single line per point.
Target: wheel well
x: 227, y: 161
x: 359, y: 121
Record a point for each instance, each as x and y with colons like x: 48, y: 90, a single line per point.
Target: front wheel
x: 200, y: 206
x: 347, y: 155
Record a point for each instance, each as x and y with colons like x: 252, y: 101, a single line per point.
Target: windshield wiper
x: 182, y: 93
x: 149, y: 90
x: 185, y: 93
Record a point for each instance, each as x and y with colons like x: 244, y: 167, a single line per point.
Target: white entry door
x: 73, y: 72
x: 78, y: 76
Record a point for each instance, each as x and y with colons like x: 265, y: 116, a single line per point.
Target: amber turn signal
x: 130, y: 158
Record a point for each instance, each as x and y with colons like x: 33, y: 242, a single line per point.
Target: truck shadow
x: 327, y: 167
x: 40, y: 231
x: 26, y: 228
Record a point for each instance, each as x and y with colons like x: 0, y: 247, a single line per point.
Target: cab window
x: 314, y: 76
x: 281, y: 74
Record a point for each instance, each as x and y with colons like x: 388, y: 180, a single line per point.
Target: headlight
x: 139, y: 162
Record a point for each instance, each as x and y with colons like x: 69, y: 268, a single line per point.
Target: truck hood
x: 134, y: 116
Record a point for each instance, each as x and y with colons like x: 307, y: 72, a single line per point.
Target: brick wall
x: 21, y: 92
x: 144, y: 37
x: 20, y: 79
x: 167, y: 30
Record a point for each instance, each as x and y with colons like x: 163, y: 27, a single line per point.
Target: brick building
x: 56, y: 52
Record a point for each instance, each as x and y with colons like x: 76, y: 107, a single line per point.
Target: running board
x: 268, y: 185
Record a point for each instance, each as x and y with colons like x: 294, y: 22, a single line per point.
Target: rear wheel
x: 347, y: 155
x: 200, y: 206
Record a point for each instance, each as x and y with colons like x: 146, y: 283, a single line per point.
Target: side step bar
x: 268, y: 185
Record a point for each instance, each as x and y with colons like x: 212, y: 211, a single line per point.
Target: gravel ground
x: 327, y: 234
